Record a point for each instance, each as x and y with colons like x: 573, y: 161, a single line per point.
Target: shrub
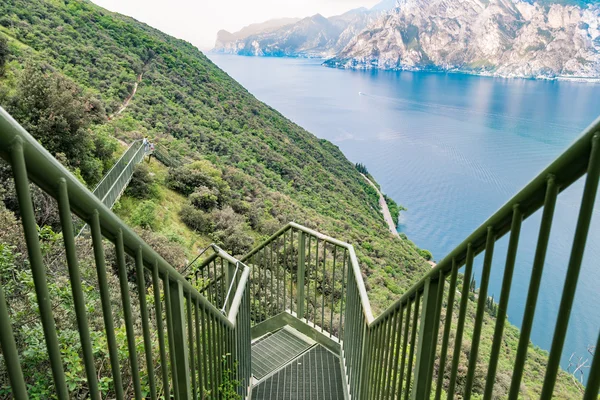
x: 144, y: 215
x: 188, y: 178
x: 196, y: 219
x: 142, y: 184
x: 204, y: 198
x: 3, y: 54
x: 230, y: 231
x: 426, y: 254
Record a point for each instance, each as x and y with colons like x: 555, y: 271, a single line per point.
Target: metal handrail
x: 364, y: 298
x: 417, y: 334
x: 32, y: 163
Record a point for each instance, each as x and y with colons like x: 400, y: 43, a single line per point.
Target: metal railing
x: 310, y: 275
x: 393, y: 356
x: 112, y: 185
x: 162, y: 155
x: 192, y: 357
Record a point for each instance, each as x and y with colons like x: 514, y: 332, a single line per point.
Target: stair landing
x: 289, y: 365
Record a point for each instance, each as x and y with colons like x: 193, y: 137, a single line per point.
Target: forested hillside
x: 67, y: 68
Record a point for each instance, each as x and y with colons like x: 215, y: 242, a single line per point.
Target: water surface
x: 453, y: 149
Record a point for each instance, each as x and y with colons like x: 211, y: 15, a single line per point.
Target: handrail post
x: 179, y: 339
x: 427, y: 339
x: 300, y: 275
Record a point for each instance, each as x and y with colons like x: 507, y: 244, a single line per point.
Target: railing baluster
x: 308, y: 271
x: 397, y: 351
x: 413, y: 338
x: 586, y: 212
x: 534, y: 286
x: 333, y: 280
x: 390, y: 341
x: 200, y: 366
x: 323, y: 281
x: 10, y: 353
x: 300, y: 275
x: 161, y: 330
x: 428, y: 336
x: 481, y: 301
x: 464, y: 298
x: 106, y: 304
x: 344, y: 282
x: 404, y: 347
x: 190, y: 334
x: 170, y: 334
x: 76, y: 289
x: 316, y: 281
x: 447, y: 328
x: 122, y: 268
x: 141, y: 283
x: 181, y: 353
x: 278, y: 268
x: 37, y: 267
x: 513, y: 245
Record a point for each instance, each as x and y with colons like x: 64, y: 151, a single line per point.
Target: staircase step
x: 276, y: 350
x: 315, y: 375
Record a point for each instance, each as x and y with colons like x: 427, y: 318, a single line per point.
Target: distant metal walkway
x: 290, y: 366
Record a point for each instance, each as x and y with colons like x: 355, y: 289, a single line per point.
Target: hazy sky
x: 198, y: 21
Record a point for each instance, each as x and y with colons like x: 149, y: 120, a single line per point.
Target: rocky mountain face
x: 224, y: 38
x: 490, y: 37
x: 314, y: 36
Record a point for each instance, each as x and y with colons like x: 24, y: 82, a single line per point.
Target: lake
x: 453, y: 149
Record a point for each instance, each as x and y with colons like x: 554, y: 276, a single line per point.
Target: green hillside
x: 66, y: 70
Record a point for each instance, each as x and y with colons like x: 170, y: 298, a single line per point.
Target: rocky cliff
x: 314, y: 36
x: 494, y: 37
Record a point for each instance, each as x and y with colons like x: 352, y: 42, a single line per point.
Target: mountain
x: 314, y: 36
x: 497, y: 37
x: 224, y: 37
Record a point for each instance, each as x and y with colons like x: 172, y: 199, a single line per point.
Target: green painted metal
x: 377, y: 354
x: 511, y: 257
x: 76, y: 289
x: 481, y: 304
x: 534, y: 286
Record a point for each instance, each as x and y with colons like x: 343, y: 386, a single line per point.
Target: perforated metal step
x: 315, y: 375
x: 276, y: 350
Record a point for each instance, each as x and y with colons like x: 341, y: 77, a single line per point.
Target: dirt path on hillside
x: 128, y: 99
x: 384, y: 209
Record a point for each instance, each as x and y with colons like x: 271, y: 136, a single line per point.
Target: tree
x: 4, y: 52
x: 141, y: 185
x: 230, y: 231
x: 58, y: 113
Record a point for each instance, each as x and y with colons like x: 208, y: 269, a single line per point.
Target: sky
x: 198, y: 21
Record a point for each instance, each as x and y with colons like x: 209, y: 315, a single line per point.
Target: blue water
x: 453, y: 149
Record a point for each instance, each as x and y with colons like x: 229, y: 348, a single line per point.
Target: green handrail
x: 310, y: 275
x: 30, y: 162
x: 393, y: 355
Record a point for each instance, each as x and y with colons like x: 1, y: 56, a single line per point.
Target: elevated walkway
x: 291, y: 319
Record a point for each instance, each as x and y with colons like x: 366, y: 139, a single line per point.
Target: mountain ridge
x: 507, y: 38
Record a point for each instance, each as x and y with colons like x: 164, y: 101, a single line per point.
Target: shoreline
x: 387, y: 216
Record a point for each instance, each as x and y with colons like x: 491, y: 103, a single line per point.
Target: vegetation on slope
x: 67, y: 68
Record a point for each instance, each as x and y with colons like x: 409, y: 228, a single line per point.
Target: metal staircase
x: 222, y: 330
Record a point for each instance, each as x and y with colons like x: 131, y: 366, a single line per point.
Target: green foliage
x: 142, y: 184
x: 361, y: 168
x: 144, y: 214
x: 58, y: 113
x: 82, y: 63
x: 394, y: 208
x: 229, y: 385
x: 426, y: 254
x: 4, y: 52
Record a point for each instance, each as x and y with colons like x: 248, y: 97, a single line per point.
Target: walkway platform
x: 287, y: 365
